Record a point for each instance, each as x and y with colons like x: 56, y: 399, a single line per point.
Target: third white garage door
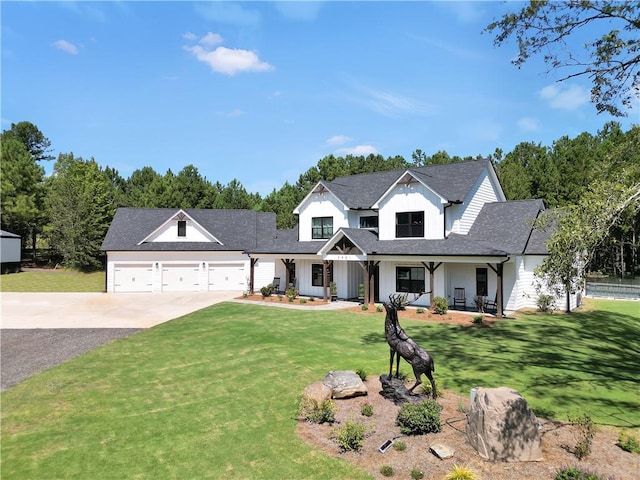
x: 180, y: 278
x: 227, y: 276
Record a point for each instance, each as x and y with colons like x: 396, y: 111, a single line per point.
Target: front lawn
x: 214, y: 394
x: 42, y: 280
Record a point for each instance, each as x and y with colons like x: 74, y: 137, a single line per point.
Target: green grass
x: 52, y: 281
x: 214, y: 394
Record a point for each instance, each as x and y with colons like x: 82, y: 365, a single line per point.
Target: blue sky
x: 260, y: 91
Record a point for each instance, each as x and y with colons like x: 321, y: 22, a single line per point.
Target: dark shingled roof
x: 453, y: 181
x: 236, y: 229
x: 5, y: 234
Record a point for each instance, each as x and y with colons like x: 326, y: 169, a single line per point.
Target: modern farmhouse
x: 441, y: 230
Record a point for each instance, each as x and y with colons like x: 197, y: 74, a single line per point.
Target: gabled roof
x: 179, y: 215
x: 237, y: 230
x: 5, y: 234
x: 506, y: 225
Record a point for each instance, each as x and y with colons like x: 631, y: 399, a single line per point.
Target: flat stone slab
x: 345, y: 384
x: 442, y: 451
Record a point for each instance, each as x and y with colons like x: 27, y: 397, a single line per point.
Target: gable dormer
x: 320, y: 214
x: 180, y: 227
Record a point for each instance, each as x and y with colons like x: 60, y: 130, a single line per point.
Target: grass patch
x: 53, y: 281
x: 214, y: 394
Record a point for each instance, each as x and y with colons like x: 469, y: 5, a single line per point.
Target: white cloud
x: 528, y: 124
x: 65, y: 47
x: 189, y: 36
x: 566, y: 98
x: 358, y: 150
x: 230, y: 61
x: 338, y: 140
x: 390, y: 103
x: 211, y: 39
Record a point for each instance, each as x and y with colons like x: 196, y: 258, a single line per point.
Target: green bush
x: 399, y: 446
x: 628, y: 442
x: 379, y: 308
x: 586, y: 432
x: 266, y: 291
x: 478, y: 319
x: 312, y: 411
x: 386, y: 471
x: 420, y: 418
x: 350, y: 436
x: 460, y: 472
x: 420, y: 310
x: 417, y: 474
x: 362, y: 373
x: 440, y: 305
x: 366, y: 410
x: 291, y: 294
x: 575, y: 473
x: 545, y: 303
x: 303, y: 300
x: 364, y: 307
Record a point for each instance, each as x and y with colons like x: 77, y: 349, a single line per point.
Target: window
x: 369, y: 222
x: 409, y: 224
x: 182, y: 228
x: 410, y: 279
x: 316, y: 274
x: 481, y: 282
x: 321, y: 227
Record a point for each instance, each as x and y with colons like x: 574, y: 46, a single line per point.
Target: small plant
x: 575, y: 473
x: 586, y: 432
x: 312, y: 299
x: 379, y: 308
x: 440, y: 305
x: 628, y: 443
x: 364, y: 307
x: 350, y: 436
x: 479, y: 302
x: 478, y: 319
x: 426, y: 389
x: 279, y: 297
x: 245, y: 294
x: 315, y: 412
x: 362, y: 373
x: 266, y: 291
x: 366, y: 410
x: 361, y: 291
x: 461, y: 407
x: 545, y: 303
x: 303, y: 300
x: 333, y: 288
x: 420, y: 418
x: 420, y: 310
x: 386, y: 471
x: 399, y: 446
x: 417, y: 474
x: 291, y: 294
x: 460, y: 472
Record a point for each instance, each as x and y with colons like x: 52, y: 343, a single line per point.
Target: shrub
x: 460, y: 472
x: 417, y: 474
x: 628, y: 442
x: 478, y: 300
x: 386, y: 471
x: 399, y: 446
x: 440, y: 305
x: 266, y: 291
x: 350, y: 436
x: 291, y: 294
x: 365, y: 307
x: 315, y: 412
x: 312, y: 299
x: 574, y: 473
x: 545, y: 303
x: 366, y: 410
x: 245, y: 294
x: 586, y: 432
x: 362, y: 373
x: 478, y: 319
x: 420, y: 310
x: 420, y: 418
x: 303, y: 300
x: 379, y: 308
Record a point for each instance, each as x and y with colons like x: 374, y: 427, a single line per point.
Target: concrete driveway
x: 101, y: 310
x: 41, y: 330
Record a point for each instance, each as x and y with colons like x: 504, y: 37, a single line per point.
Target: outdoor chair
x: 276, y: 285
x: 491, y: 305
x: 459, y: 299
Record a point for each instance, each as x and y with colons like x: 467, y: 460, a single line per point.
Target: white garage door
x: 133, y: 278
x: 227, y: 276
x: 180, y: 278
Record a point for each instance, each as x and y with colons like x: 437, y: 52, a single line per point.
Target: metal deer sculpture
x: 401, y: 345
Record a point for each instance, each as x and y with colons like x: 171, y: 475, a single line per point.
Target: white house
x: 429, y: 231
x: 10, y: 252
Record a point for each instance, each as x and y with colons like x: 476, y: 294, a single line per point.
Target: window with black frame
x: 321, y: 228
x: 410, y: 279
x: 182, y: 228
x: 369, y: 221
x: 482, y: 287
x: 316, y: 274
x: 409, y: 224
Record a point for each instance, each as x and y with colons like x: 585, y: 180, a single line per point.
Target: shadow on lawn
x: 581, y: 352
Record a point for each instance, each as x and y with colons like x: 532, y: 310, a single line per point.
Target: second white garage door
x: 180, y: 278
x: 227, y: 276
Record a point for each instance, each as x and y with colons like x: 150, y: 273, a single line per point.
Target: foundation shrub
x: 420, y: 418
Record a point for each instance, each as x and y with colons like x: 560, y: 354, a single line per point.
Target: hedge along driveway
x: 214, y: 394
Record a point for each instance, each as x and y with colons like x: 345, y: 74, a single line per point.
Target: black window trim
x: 413, y: 229
x: 325, y: 227
x: 413, y: 283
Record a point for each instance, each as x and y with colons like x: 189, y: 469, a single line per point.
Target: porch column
x: 370, y: 290
x: 325, y: 279
x: 432, y: 270
x: 499, y: 307
x: 251, y: 274
x: 287, y: 272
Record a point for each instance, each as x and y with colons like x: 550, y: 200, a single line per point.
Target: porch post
x: 287, y: 272
x: 432, y: 270
x: 324, y: 280
x: 498, y: 271
x: 251, y: 275
x: 370, y: 291
x: 365, y: 268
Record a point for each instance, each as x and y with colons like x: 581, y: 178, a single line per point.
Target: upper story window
x: 409, y: 224
x: 369, y: 222
x: 321, y: 227
x: 182, y: 228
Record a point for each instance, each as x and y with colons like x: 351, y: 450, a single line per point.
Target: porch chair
x: 276, y: 285
x: 491, y: 305
x: 459, y: 298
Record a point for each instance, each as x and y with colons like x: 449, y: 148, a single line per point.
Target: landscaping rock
x: 502, y: 427
x: 441, y: 450
x: 345, y: 384
x: 317, y: 391
x: 394, y: 389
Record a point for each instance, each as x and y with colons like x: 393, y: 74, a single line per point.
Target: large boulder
x: 502, y: 427
x: 345, y: 384
x: 317, y: 391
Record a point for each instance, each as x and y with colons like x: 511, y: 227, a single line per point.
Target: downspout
x: 444, y: 215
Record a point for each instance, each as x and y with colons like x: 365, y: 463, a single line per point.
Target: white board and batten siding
x: 323, y: 204
x: 184, y: 271
x: 462, y: 216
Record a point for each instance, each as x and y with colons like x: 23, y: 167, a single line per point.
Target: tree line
x: 70, y: 211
